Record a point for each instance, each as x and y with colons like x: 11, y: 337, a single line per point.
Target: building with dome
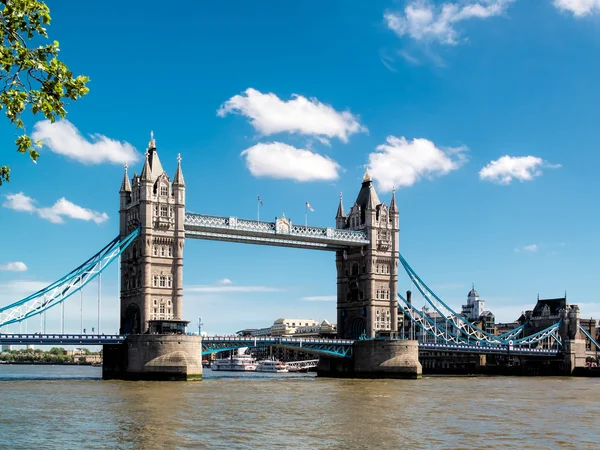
x: 474, y: 311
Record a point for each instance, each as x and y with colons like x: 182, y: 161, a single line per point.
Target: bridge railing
x: 202, y: 221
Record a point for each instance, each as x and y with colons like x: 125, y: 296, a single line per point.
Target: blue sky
x: 482, y: 113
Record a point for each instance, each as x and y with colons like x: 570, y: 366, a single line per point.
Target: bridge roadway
x: 279, y: 233
x: 213, y: 344
x: 60, y: 339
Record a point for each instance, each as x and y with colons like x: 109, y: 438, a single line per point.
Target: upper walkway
x: 279, y: 233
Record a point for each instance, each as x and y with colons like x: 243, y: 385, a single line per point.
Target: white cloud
x: 16, y: 266
x: 399, y: 162
x: 63, y: 138
x: 230, y: 288
x: 269, y: 114
x: 19, y: 202
x: 279, y: 160
x: 56, y: 213
x: 527, y: 248
x: 422, y: 20
x: 579, y: 8
x: 507, y: 168
x: 224, y: 282
x: 17, y: 289
x: 320, y: 298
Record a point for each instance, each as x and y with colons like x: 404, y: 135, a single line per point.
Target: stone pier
x: 377, y: 358
x: 167, y: 357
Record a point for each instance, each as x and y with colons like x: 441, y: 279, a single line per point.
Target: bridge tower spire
x: 152, y: 267
x: 368, y: 277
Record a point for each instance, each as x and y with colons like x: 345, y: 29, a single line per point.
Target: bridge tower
x: 367, y: 278
x: 152, y: 267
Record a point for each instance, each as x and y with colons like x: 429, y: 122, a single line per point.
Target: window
x: 155, y: 303
x: 162, y: 308
x: 154, y: 281
x: 170, y: 251
x: 162, y: 251
x: 169, y: 281
x: 162, y: 281
x: 164, y: 190
x: 154, y: 250
x: 163, y: 211
x: 156, y: 210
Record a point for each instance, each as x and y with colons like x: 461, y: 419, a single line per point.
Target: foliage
x: 57, y: 351
x: 32, y: 79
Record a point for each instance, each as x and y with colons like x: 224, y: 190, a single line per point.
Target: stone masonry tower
x: 367, y: 278
x: 152, y: 266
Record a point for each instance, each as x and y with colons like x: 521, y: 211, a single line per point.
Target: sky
x: 482, y: 114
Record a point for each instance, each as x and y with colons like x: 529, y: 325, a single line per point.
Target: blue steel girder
x: 279, y: 233
x: 341, y: 348
x: 492, y: 349
x: 66, y: 286
x: 60, y: 339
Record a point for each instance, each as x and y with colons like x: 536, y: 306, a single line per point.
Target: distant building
x: 287, y: 327
x: 474, y: 307
x: 6, y: 348
x: 474, y: 311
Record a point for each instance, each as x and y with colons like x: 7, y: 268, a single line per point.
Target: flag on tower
x: 260, y: 201
x: 309, y: 207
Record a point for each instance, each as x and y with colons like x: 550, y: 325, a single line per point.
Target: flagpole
x: 258, y: 211
x: 305, y: 215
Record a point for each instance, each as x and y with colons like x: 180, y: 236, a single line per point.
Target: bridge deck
x: 213, y: 344
x: 279, y: 233
x: 60, y: 339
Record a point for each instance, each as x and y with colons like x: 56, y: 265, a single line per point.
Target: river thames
x: 69, y: 407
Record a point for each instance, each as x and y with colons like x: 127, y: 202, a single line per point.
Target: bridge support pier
x: 375, y: 359
x: 167, y: 357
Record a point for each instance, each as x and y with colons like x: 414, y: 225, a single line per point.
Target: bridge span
x: 341, y: 348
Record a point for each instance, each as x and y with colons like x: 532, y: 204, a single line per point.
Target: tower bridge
x: 152, y: 342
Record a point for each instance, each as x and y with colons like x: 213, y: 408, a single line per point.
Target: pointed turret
x: 340, y: 212
x: 393, y: 205
x: 125, y: 185
x: 153, y: 160
x: 178, y: 179
x: 146, y: 171
x: 367, y: 197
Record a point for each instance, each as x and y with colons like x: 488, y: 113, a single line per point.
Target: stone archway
x: 357, y: 326
x: 132, y: 322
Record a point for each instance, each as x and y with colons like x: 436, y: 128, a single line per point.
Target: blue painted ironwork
x: 455, y: 320
x: 279, y: 233
x: 590, y: 337
x: 341, y: 348
x: 63, y: 288
x: 488, y: 349
x: 60, y: 339
x: 449, y: 337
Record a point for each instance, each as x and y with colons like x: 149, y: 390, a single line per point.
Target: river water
x: 69, y: 407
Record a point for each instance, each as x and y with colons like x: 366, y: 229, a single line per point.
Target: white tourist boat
x: 272, y: 366
x: 236, y: 363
